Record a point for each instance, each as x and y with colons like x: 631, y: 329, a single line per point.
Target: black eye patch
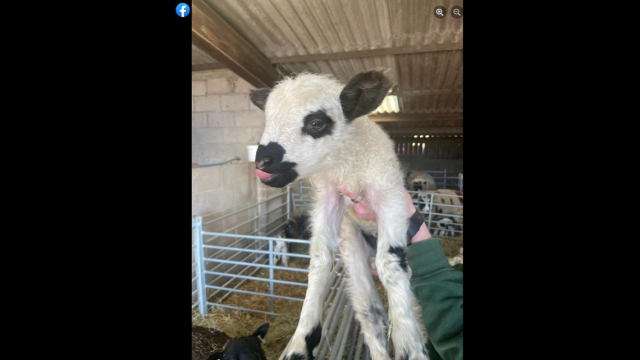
x: 317, y: 124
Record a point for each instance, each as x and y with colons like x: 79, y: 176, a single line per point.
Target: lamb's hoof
x: 304, y: 351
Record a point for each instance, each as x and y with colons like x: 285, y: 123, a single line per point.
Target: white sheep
x: 317, y: 127
x: 281, y: 247
x: 420, y: 180
x: 456, y: 259
x: 446, y: 227
x: 423, y: 201
x: 445, y: 202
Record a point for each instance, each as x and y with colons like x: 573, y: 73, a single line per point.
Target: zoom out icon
x: 456, y: 12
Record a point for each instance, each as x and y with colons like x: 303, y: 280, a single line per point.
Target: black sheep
x: 210, y: 344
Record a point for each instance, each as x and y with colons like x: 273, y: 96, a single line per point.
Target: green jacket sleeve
x: 438, y: 287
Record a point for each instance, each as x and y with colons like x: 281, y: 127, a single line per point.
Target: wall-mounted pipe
x: 222, y: 163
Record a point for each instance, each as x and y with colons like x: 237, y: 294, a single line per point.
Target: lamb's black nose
x: 266, y: 161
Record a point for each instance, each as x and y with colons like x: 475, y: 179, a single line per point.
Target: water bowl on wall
x: 251, y: 152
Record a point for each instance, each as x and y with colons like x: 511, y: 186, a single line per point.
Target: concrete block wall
x: 223, y: 119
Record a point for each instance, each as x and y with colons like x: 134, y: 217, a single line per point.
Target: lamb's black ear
x: 364, y: 93
x: 262, y: 331
x: 259, y: 97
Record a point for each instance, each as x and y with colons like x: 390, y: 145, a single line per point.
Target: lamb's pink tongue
x: 263, y: 175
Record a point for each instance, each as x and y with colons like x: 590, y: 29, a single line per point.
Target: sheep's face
x: 281, y: 247
x: 298, y: 227
x: 445, y: 223
x: 308, y: 122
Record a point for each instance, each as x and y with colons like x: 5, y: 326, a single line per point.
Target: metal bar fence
x: 204, y: 240
x: 442, y: 180
x: 433, y: 219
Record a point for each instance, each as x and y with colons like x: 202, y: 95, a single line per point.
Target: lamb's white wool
x: 318, y: 128
x: 281, y: 247
x: 446, y: 202
x: 420, y: 180
x: 423, y: 201
x: 456, y: 259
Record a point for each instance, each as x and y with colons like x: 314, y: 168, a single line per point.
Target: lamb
x: 281, y: 247
x: 423, y: 201
x: 441, y: 197
x: 210, y: 344
x: 298, y: 227
x: 317, y: 127
x: 456, y: 259
x: 420, y: 180
x: 446, y: 227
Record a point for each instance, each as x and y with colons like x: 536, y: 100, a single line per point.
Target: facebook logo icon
x: 182, y: 9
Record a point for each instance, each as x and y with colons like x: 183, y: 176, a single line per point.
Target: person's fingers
x: 363, y: 211
x: 347, y: 193
x: 362, y: 208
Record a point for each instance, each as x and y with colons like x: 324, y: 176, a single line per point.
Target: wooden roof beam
x: 368, y: 53
x: 211, y: 34
x: 213, y: 66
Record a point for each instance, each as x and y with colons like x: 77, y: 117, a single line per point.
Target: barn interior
x: 240, y: 45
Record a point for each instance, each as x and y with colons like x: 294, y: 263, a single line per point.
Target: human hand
x: 364, y: 212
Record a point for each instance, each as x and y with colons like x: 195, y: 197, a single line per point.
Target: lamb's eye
x: 317, y: 125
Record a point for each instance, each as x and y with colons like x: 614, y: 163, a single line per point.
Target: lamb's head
x: 298, y: 227
x: 445, y: 223
x: 424, y: 198
x: 280, y: 247
x: 244, y: 348
x: 307, y: 122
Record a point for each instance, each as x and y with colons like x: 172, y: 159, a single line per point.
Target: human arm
x: 435, y: 283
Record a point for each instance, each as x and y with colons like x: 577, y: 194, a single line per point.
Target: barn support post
x: 430, y: 211
x: 271, y: 273
x: 255, y: 230
x: 288, y: 201
x: 199, y: 255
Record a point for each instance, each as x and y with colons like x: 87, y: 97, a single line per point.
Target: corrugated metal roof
x: 280, y: 28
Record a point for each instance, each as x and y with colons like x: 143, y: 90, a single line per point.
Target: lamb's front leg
x: 326, y: 218
x: 362, y: 290
x: 391, y: 263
